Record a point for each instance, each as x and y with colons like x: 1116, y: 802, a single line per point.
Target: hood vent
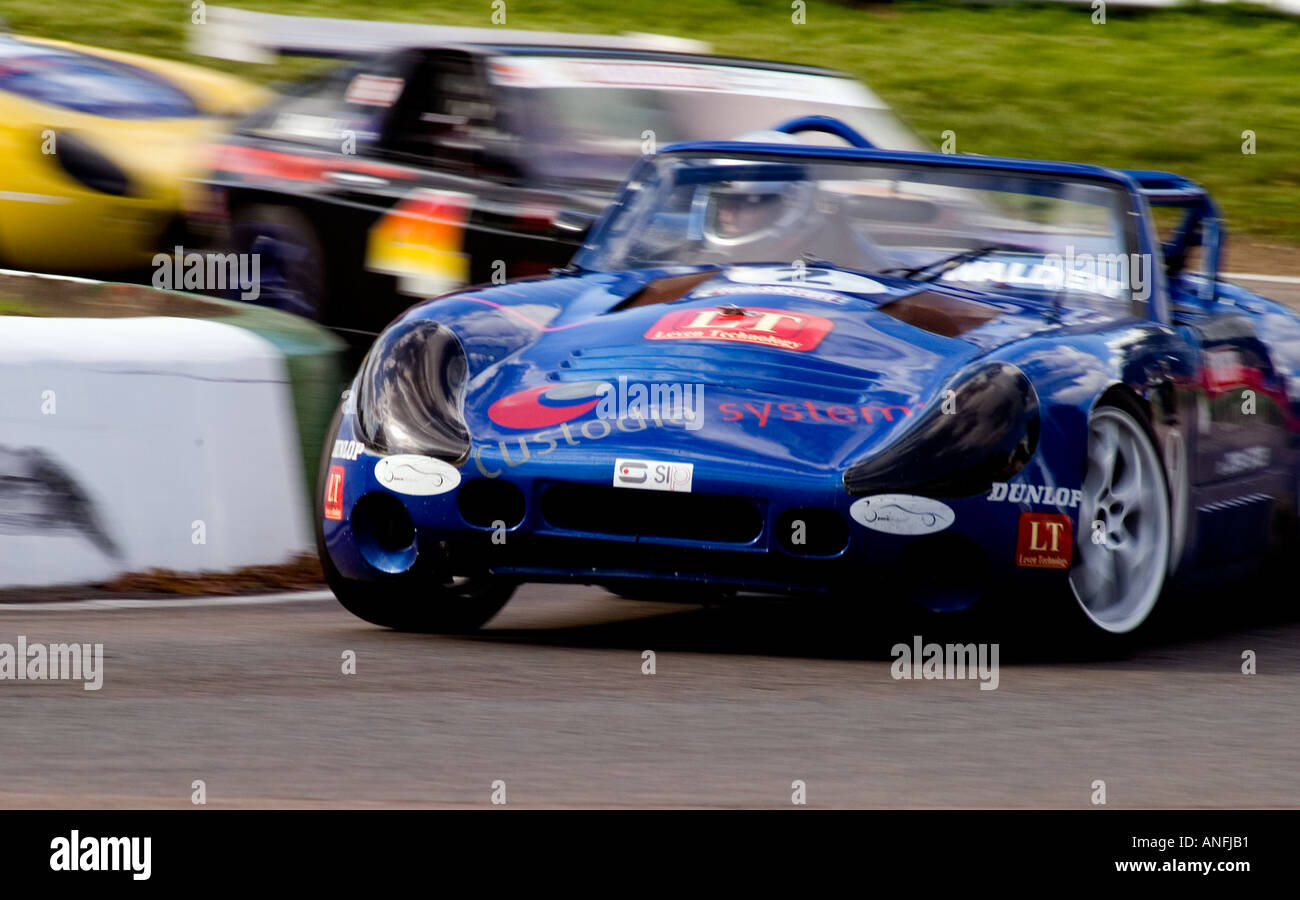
x: 666, y: 290
x: 940, y: 314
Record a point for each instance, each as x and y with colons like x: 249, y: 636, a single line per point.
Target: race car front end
x: 672, y: 506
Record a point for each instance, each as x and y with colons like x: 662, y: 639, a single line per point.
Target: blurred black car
x: 422, y: 169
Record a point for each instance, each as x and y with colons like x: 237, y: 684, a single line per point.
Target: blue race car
x: 830, y: 372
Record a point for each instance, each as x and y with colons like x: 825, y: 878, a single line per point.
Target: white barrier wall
x: 137, y: 443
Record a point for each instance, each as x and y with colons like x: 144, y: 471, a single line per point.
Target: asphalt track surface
x: 249, y: 697
x: 551, y: 699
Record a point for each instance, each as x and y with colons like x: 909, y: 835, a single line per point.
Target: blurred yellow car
x: 96, y: 145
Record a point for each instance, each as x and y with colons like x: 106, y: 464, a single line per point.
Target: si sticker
x: 419, y: 476
x: 1044, y: 541
x: 653, y: 475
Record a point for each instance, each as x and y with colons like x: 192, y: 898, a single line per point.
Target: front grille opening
x: 812, y: 532
x: 958, y: 582
x: 611, y: 510
x: 485, y: 501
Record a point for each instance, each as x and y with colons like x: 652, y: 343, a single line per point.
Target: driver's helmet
x: 743, y: 212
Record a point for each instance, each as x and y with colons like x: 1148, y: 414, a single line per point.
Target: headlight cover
x: 87, y: 165
x: 411, y: 390
x: 988, y: 433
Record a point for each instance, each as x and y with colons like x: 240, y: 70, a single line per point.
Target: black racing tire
x: 293, y: 262
x: 407, y: 602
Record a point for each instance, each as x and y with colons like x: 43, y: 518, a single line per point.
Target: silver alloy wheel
x: 1123, y: 540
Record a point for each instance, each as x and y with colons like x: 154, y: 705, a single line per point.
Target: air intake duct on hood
x: 983, y: 428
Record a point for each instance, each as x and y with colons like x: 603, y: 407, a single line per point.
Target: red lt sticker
x: 778, y: 328
x: 1045, y: 541
x: 334, y: 494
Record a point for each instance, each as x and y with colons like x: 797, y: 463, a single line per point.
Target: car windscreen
x: 344, y: 104
x: 991, y: 228
x: 591, y: 118
x: 88, y: 84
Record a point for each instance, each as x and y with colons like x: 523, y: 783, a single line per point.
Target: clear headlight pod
x: 89, y: 166
x: 411, y: 390
x: 986, y: 430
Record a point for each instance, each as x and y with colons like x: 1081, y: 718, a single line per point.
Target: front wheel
x: 423, y: 603
x: 1123, y: 540
x: 456, y: 607
x: 291, y: 259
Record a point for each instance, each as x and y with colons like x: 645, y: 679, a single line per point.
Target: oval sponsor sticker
x: 420, y: 476
x: 902, y: 514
